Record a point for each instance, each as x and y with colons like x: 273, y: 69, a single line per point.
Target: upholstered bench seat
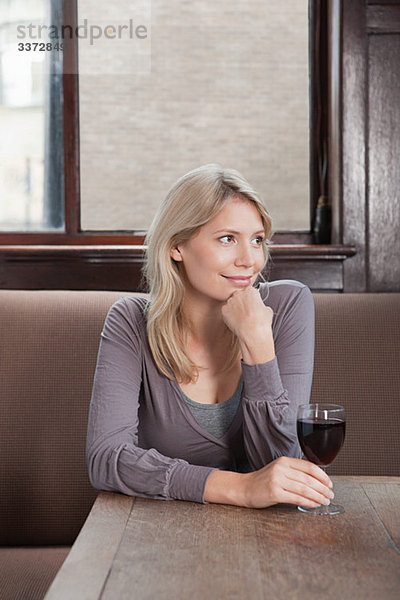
x: 28, y: 572
x: 48, y: 349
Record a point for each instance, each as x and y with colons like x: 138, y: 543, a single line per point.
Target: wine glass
x: 321, y: 429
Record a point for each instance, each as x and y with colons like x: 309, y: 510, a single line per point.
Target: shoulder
x: 286, y: 295
x: 129, y: 312
x: 130, y: 305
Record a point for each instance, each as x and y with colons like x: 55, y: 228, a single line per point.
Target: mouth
x: 239, y: 280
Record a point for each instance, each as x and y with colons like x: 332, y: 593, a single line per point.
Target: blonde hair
x: 195, y: 199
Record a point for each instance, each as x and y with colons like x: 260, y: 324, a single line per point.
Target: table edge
x: 86, y: 571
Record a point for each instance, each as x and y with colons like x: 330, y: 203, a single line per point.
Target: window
x: 31, y: 123
x: 205, y: 88
x: 222, y: 82
x: 72, y: 244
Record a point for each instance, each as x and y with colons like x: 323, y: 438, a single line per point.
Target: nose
x: 245, y: 255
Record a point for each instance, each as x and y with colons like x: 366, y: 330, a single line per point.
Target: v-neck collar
x: 224, y: 440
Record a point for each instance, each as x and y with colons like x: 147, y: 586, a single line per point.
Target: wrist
x: 258, y: 348
x: 226, y: 487
x: 253, y: 331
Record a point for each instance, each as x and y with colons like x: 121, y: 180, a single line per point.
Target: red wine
x: 321, y: 439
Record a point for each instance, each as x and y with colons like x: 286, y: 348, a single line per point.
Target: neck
x: 205, y: 323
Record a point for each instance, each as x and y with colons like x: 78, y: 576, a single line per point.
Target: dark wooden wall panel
x: 119, y: 267
x: 384, y: 162
x: 370, y: 144
x: 353, y: 108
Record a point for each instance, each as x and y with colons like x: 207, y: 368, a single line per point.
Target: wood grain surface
x: 383, y: 160
x: 85, y: 570
x: 353, y: 141
x: 179, y: 550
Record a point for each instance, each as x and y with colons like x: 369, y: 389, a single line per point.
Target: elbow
x: 94, y: 478
x: 96, y: 469
x: 103, y: 471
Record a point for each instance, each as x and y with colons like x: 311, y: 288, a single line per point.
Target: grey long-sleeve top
x: 143, y: 439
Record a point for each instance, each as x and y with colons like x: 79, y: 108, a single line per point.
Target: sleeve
x: 114, y: 460
x: 273, y: 390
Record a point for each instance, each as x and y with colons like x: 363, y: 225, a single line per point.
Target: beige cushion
x: 357, y: 360
x: 48, y: 349
x: 26, y: 573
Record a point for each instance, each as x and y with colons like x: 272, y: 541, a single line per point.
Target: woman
x: 196, y: 389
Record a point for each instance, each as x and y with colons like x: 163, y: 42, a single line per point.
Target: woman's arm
x: 115, y: 462
x: 288, y: 480
x: 277, y: 371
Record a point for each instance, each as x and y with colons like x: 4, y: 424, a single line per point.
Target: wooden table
x: 134, y: 548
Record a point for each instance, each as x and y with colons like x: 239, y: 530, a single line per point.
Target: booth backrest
x: 48, y: 349
x: 357, y: 364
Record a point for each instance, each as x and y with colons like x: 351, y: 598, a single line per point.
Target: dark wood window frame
x: 75, y: 259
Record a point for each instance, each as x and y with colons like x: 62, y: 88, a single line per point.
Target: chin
x: 222, y: 296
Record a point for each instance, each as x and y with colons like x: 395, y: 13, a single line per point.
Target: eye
x: 259, y: 240
x: 226, y: 238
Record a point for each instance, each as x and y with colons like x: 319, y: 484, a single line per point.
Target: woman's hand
x: 251, y: 321
x: 289, y: 480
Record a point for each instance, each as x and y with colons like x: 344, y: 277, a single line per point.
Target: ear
x: 176, y: 254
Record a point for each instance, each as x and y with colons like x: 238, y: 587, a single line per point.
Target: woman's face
x: 226, y: 254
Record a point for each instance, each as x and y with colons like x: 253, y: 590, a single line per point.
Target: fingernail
x: 326, y: 501
x: 331, y: 495
x: 330, y: 484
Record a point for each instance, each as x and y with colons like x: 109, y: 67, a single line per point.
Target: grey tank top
x: 216, y: 418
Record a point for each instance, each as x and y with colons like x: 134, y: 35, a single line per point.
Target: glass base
x: 331, y: 509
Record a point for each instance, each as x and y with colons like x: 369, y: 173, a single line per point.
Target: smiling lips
x: 239, y: 280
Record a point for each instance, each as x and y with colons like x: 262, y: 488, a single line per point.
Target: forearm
x: 225, y: 487
x: 131, y: 470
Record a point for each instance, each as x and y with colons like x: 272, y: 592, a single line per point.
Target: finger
x: 308, y: 480
x: 308, y: 467
x: 307, y: 492
x: 318, y: 473
x: 293, y: 498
